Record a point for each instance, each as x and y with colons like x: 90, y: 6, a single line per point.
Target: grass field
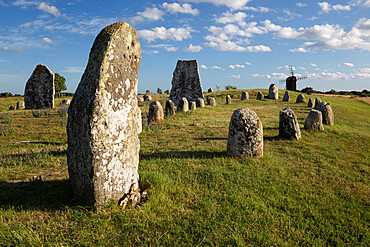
x: 312, y: 192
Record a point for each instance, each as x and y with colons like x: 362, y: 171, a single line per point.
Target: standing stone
x: 66, y: 102
x: 200, y: 102
x: 228, y: 99
x: 314, y: 120
x: 311, y: 103
x: 273, y: 92
x: 317, y: 103
x: 322, y: 106
x: 300, y: 99
x: 147, y: 97
x: 288, y: 125
x: 212, y: 101
x: 140, y: 99
x: 193, y: 105
x: 20, y: 105
x: 245, y: 96
x: 186, y: 82
x: 12, y: 108
x: 260, y: 96
x: 183, y: 105
x: 245, y: 134
x: 170, y: 108
x: 39, y: 92
x: 286, y: 96
x: 155, y: 115
x: 327, y: 114
x: 210, y: 90
x: 104, y: 119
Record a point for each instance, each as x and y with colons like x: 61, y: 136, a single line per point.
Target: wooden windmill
x: 291, y: 81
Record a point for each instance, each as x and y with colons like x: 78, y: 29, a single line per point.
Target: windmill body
x: 291, y: 81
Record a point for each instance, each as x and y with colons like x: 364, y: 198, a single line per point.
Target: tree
x: 167, y: 91
x: 147, y: 91
x: 59, y: 84
x: 159, y: 91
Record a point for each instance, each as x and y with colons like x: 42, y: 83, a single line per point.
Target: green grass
x: 301, y: 193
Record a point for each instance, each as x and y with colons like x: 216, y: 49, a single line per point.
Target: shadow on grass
x: 32, y: 155
x: 272, y: 138
x: 210, y: 139
x: 184, y: 155
x: 37, y: 195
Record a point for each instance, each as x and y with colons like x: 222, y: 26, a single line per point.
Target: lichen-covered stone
x: 327, y: 114
x: 186, y: 82
x: 260, y: 96
x: 314, y: 120
x: 210, y: 90
x: 193, y: 105
x: 183, y: 105
x: 286, y: 96
x: 228, y: 99
x: 245, y: 134
x: 288, y: 125
x: 245, y: 96
x: 273, y: 92
x: 317, y: 103
x: 39, y: 92
x: 147, y: 97
x: 20, y: 105
x: 155, y: 115
x: 170, y: 108
x: 311, y: 103
x: 200, y: 103
x: 212, y: 101
x: 300, y: 99
x: 104, y: 119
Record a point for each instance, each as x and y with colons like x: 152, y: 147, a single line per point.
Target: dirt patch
x: 366, y: 100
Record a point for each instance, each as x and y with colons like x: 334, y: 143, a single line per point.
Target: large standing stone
x: 300, y: 99
x: 311, y: 103
x: 211, y: 101
x: 273, y: 92
x: 200, y: 102
x: 210, y: 90
x: 186, y: 82
x: 314, y: 120
x: 288, y: 125
x: 170, y: 108
x: 260, y: 96
x: 245, y: 96
x: 327, y: 114
x: 155, y: 115
x: 39, y: 92
x: 245, y: 134
x: 317, y: 103
x: 286, y: 96
x: 104, y: 119
x: 228, y: 99
x: 193, y: 105
x: 20, y: 105
x: 183, y: 105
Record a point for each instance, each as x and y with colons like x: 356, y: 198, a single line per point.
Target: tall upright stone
x: 193, y: 105
x: 200, y: 103
x: 317, y: 103
x: 245, y: 134
x: 273, y: 92
x: 104, y: 119
x: 20, y: 105
x: 245, y: 96
x: 286, y: 96
x: 314, y: 120
x: 210, y: 90
x: 211, y: 101
x: 183, y: 105
x: 300, y: 99
x: 186, y: 82
x: 39, y: 92
x: 260, y: 96
x: 170, y: 108
x: 228, y: 99
x: 311, y: 103
x: 288, y: 125
x: 327, y: 114
x: 155, y: 115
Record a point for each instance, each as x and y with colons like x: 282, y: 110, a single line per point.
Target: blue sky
x: 244, y: 43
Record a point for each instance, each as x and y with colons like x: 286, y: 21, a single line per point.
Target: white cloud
x: 248, y: 63
x: 163, y: 33
x: 24, y: 3
x: 49, y: 9
x: 301, y: 5
x: 325, y: 7
x: 178, y: 8
x: 271, y: 76
x: 212, y: 67
x: 166, y: 47
x: 234, y: 76
x: 257, y: 9
x: 193, y: 48
x: 47, y: 40
x: 348, y: 65
x: 367, y: 4
x: 233, y: 4
x: 313, y: 65
x: 74, y: 70
x: 236, y: 66
x: 229, y: 17
x: 300, y: 49
x: 5, y: 48
x: 153, y: 14
x: 342, y: 7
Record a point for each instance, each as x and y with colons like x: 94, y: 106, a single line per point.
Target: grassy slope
x: 308, y: 192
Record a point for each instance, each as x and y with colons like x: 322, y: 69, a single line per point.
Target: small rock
x: 210, y: 90
x: 66, y: 102
x: 314, y: 120
x: 193, y: 105
x: 170, y: 108
x: 211, y: 101
x: 245, y: 96
x: 147, y: 97
x: 140, y: 99
x: 184, y: 105
x: 200, y: 102
x: 20, y: 105
x: 286, y: 96
x: 300, y: 99
x: 311, y: 103
x: 12, y: 108
x: 288, y: 125
x: 155, y: 115
x: 260, y: 96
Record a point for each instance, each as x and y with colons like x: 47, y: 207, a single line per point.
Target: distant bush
x: 167, y: 91
x: 6, y: 94
x: 229, y: 87
x: 159, y: 91
x: 308, y: 90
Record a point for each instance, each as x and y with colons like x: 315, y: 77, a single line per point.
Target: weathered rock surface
x: 170, y: 108
x: 260, y: 96
x: 228, y: 99
x: 104, y: 119
x: 286, y: 96
x: 20, y: 105
x: 200, y: 102
x: 193, y: 105
x: 314, y: 120
x: 147, y: 97
x: 210, y: 90
x: 211, y: 101
x: 155, y: 115
x: 186, y: 82
x: 327, y: 114
x: 183, y: 105
x: 39, y: 92
x: 300, y: 99
x: 245, y: 134
x: 245, y: 96
x: 140, y: 99
x: 317, y: 103
x: 273, y: 92
x: 322, y: 106
x: 288, y: 125
x: 311, y: 103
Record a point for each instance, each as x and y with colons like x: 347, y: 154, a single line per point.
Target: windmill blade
x: 302, y: 78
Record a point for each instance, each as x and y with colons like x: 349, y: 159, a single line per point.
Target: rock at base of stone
x: 288, y: 125
x: 39, y: 92
x: 183, y: 105
x: 245, y: 134
x: 245, y: 96
x: 211, y: 101
x: 273, y: 92
x: 300, y: 99
x: 260, y: 96
x: 210, y: 90
x: 311, y: 103
x: 147, y: 97
x: 314, y: 120
x: 286, y: 96
x: 200, y: 103
x: 12, y: 108
x: 170, y: 108
x: 193, y: 105
x: 20, y: 105
x: 155, y: 115
x: 228, y: 99
x: 317, y: 103
x: 104, y: 119
x: 327, y: 114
